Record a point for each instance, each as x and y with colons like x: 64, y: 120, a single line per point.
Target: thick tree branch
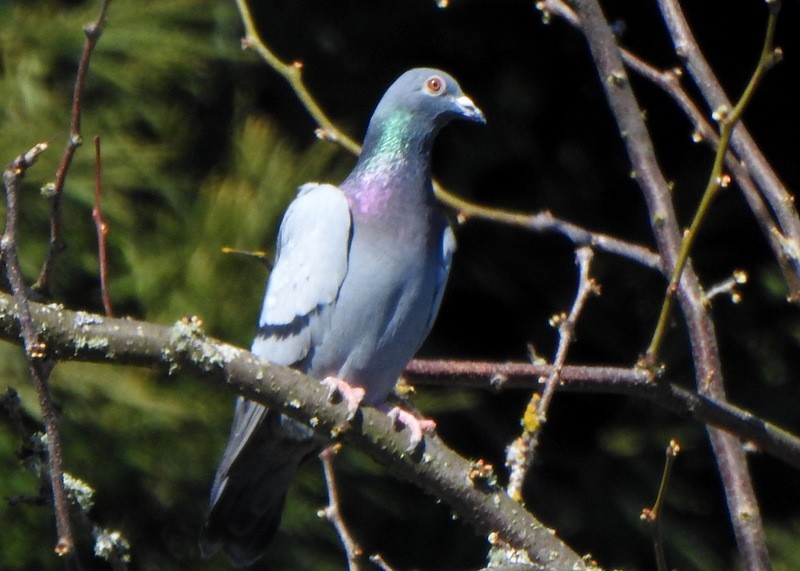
x: 183, y: 348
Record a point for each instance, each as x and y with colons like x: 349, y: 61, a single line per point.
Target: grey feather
x: 312, y: 260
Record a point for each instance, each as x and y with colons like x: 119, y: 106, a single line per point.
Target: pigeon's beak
x: 468, y: 110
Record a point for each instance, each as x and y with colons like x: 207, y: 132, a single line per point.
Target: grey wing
x: 448, y: 248
x: 313, y: 250
x: 264, y: 448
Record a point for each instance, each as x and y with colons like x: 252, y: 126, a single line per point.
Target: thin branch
x: 102, y: 232
x: 669, y: 81
x: 93, y: 32
x: 520, y: 454
x: 775, y: 192
x: 633, y: 382
x: 110, y: 545
x: 380, y: 563
x: 333, y: 513
x: 731, y: 458
x: 292, y: 73
x: 728, y: 286
x: 495, y: 376
x: 728, y: 119
x: 183, y: 347
x: 545, y: 222
x: 652, y: 516
x: 566, y: 326
x: 35, y: 349
x: 327, y: 129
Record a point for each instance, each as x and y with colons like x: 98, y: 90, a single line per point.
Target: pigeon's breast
x: 386, y: 301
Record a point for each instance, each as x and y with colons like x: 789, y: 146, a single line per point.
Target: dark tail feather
x: 264, y: 451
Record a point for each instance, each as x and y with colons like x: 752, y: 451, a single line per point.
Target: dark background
x: 203, y: 146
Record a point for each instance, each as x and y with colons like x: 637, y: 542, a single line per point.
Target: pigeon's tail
x: 264, y: 452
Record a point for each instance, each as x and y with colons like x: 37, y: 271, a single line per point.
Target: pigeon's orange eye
x: 434, y: 85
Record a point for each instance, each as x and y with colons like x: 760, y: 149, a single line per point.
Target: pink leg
x: 417, y: 426
x: 349, y: 394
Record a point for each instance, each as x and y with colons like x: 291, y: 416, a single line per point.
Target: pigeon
x: 357, y: 282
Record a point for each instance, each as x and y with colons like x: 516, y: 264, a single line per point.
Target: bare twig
x: 292, y: 73
x: 380, y: 562
x: 728, y: 286
x: 327, y: 129
x: 332, y: 512
x: 566, y: 326
x: 652, y: 516
x: 35, y: 350
x: 260, y: 256
x: 632, y: 382
x: 520, y: 454
x: 777, y: 195
x: 93, y: 32
x: 40, y: 367
x: 728, y: 120
x: 545, y: 222
x: 731, y: 458
x: 670, y: 82
x: 102, y: 231
x: 495, y: 376
x: 110, y: 545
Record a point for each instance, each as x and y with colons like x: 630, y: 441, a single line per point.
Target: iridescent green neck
x: 389, y: 142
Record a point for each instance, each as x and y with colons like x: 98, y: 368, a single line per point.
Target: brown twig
x: 566, y: 326
x: 728, y: 120
x: 380, y: 562
x: 542, y: 222
x: 752, y: 159
x: 652, y: 516
x: 102, y: 231
x: 728, y: 286
x: 545, y: 222
x: 633, y: 382
x: 93, y: 31
x: 332, y: 512
x: 520, y: 454
x: 669, y: 81
x: 731, y: 459
x: 496, y: 376
x: 35, y: 350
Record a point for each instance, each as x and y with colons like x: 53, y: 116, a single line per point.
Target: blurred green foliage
x: 203, y: 146
x: 188, y: 166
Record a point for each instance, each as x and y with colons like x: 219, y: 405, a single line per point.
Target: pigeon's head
x: 430, y: 96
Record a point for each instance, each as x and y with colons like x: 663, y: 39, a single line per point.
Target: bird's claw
x: 338, y: 388
x: 417, y: 426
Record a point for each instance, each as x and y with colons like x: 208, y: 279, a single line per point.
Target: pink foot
x: 347, y: 393
x: 417, y: 426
